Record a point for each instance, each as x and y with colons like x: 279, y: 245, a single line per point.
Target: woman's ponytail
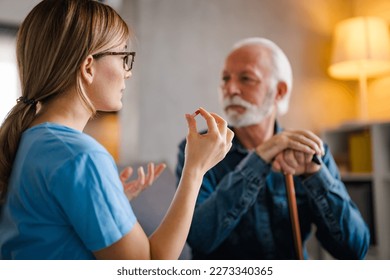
x: 17, y: 121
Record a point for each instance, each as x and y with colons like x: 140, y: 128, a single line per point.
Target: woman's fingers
x: 210, y: 120
x: 226, y: 132
x: 203, y: 151
x: 191, y: 124
x: 135, y: 187
x: 153, y: 173
x: 158, y: 170
x: 149, y: 179
x: 221, y: 123
x: 141, y: 175
x: 214, y: 122
x: 126, y: 174
x: 229, y: 136
x: 132, y: 190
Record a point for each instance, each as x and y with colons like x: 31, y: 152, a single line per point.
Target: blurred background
x: 181, y: 46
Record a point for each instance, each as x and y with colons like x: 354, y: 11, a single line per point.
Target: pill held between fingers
x: 196, y: 113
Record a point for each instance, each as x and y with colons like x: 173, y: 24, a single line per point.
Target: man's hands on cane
x: 291, y: 152
x: 295, y: 163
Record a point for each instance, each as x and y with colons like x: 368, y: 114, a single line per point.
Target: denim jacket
x: 242, y: 211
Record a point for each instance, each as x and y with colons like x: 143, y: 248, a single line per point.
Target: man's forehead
x: 248, y: 57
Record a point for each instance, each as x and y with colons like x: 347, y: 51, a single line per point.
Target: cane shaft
x: 293, y: 209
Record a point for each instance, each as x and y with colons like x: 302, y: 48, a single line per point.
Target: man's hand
x: 295, y: 162
x: 302, y: 141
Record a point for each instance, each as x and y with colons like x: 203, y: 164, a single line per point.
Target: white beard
x: 253, y: 114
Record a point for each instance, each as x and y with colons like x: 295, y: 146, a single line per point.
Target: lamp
x: 361, y: 49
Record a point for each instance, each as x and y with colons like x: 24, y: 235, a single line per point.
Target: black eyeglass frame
x: 125, y: 58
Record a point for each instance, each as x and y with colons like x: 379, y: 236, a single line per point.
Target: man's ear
x: 281, y: 91
x: 87, y: 70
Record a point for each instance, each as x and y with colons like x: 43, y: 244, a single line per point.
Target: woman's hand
x: 203, y: 151
x: 135, y: 187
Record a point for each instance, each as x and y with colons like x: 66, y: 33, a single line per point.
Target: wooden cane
x: 293, y: 209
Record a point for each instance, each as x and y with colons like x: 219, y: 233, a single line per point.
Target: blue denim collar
x: 238, y: 147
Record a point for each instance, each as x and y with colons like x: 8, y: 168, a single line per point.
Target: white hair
x: 282, y: 71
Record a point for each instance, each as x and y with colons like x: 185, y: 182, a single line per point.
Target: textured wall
x: 180, y: 48
x: 181, y: 45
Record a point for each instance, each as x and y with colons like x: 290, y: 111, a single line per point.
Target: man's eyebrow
x: 248, y: 72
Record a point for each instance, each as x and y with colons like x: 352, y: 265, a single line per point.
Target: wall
x: 13, y: 12
x: 181, y: 45
x: 180, y: 48
x: 8, y: 73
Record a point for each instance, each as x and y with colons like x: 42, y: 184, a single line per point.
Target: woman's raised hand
x: 203, y: 151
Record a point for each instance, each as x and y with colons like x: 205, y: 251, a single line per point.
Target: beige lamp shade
x: 361, y: 46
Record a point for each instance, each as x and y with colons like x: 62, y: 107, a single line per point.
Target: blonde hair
x: 281, y: 67
x: 52, y: 42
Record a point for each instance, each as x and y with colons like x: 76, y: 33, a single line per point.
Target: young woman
x: 62, y: 195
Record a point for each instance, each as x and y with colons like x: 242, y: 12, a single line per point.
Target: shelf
x: 348, y: 176
x: 368, y: 189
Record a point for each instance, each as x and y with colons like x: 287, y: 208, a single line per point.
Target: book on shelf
x: 359, y: 145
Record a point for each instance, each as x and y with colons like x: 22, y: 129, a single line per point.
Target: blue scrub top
x: 65, y: 199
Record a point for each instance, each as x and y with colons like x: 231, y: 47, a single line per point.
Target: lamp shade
x: 361, y: 46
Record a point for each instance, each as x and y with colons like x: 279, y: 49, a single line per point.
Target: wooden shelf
x: 371, y: 190
x: 349, y: 176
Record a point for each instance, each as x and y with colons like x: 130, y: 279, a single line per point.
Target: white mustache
x: 236, y: 100
x: 253, y: 114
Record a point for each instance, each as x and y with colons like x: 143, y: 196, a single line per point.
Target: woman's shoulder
x: 58, y: 139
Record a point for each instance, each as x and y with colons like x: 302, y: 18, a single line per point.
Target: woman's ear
x: 87, y: 70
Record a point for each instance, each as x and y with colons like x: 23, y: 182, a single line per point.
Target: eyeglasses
x: 127, y: 63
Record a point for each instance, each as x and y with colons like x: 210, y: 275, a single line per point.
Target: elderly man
x: 242, y: 210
